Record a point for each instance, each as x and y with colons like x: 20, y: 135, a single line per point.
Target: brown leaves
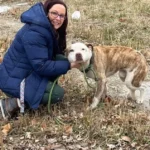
x: 122, y: 19
x: 126, y: 138
x: 4, y: 44
x: 61, y: 79
x: 14, y: 11
x: 107, y: 99
x: 36, y: 123
x: 6, y: 129
x: 43, y: 126
x: 68, y: 129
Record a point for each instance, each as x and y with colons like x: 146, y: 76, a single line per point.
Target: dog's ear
x: 90, y: 46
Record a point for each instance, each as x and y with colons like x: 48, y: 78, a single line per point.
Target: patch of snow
x: 76, y: 15
x: 4, y: 8
x: 21, y: 4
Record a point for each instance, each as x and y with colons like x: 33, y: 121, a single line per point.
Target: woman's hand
x: 75, y: 65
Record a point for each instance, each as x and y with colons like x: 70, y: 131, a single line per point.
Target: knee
x: 58, y: 95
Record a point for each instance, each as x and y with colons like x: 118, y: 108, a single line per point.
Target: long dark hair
x: 62, y: 30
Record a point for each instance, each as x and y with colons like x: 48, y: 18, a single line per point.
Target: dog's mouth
x: 80, y: 61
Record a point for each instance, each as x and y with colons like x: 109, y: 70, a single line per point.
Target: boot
x: 9, y: 107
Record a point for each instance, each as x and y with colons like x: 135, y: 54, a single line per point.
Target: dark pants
x: 58, y: 92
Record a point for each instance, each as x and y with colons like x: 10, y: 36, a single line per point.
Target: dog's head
x: 79, y: 52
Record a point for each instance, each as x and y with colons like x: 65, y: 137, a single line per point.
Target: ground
x: 9, y: 25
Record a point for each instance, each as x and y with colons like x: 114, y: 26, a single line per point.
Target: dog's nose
x: 78, y: 57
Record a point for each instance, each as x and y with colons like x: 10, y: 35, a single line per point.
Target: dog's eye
x: 71, y: 50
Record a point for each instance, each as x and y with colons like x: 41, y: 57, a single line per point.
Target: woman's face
x: 57, y: 15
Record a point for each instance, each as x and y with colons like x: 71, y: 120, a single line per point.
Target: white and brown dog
x: 107, y: 60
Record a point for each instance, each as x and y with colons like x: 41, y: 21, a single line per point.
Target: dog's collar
x: 90, y: 67
x: 91, y: 64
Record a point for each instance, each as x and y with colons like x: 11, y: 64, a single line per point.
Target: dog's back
x: 116, y: 58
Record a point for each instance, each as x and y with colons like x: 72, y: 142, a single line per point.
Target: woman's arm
x: 36, y: 48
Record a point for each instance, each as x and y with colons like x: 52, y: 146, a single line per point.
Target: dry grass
x: 112, y: 22
x: 105, y: 22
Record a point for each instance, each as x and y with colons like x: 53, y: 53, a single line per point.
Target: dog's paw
x: 129, y: 97
x: 94, y: 104
x: 140, y: 101
x: 89, y: 108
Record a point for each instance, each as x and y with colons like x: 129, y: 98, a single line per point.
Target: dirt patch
x: 10, y: 19
x: 118, y: 90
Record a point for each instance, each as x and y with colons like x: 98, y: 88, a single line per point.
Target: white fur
x: 128, y: 75
x: 128, y: 81
x: 94, y: 103
x: 79, y: 48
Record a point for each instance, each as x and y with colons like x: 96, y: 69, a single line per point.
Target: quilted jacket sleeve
x: 40, y: 55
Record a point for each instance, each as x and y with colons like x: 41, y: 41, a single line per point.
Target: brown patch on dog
x: 130, y: 63
x: 146, y: 53
x: 110, y: 59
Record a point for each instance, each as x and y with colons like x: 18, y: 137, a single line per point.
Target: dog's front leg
x: 101, y: 88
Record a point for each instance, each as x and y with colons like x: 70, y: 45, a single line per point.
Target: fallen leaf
x: 68, y: 129
x: 54, y: 146
x: 126, y: 138
x: 6, y: 128
x: 111, y: 146
x: 52, y: 140
x: 133, y: 144
x: 34, y: 122
x: 14, y: 11
x: 81, y: 115
x: 28, y: 135
x: 122, y: 19
x: 62, y: 79
x: 107, y: 99
x: 43, y: 126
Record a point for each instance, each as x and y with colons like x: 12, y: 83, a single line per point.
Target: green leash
x: 57, y: 120
x: 96, y: 79
x: 50, y: 94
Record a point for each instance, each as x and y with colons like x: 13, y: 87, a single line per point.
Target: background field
x: 116, y: 124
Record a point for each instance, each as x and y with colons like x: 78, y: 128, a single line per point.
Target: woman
x: 34, y: 59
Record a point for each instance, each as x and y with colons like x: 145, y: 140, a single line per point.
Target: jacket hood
x: 36, y: 15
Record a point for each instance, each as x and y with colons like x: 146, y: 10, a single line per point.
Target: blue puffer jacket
x: 30, y: 57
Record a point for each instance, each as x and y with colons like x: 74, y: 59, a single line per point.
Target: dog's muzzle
x: 79, y: 57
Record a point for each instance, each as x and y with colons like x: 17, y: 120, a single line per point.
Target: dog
x: 106, y: 61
